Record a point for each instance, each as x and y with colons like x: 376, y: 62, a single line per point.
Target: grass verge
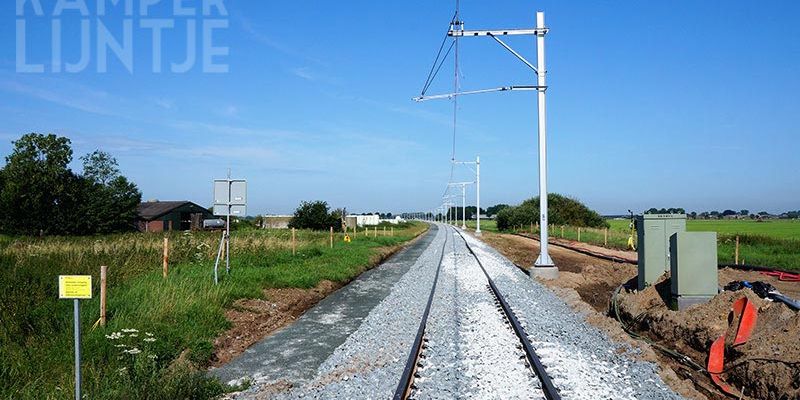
x: 160, y: 332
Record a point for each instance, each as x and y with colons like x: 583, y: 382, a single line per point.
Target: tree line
x: 744, y: 213
x: 41, y: 195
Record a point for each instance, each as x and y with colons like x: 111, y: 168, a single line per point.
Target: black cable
x: 428, y: 84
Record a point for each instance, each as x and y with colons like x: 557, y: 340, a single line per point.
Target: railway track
x: 519, y: 341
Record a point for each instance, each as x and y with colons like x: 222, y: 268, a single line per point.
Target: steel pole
x: 463, y: 206
x: 77, y: 322
x: 544, y: 260
x: 478, y: 182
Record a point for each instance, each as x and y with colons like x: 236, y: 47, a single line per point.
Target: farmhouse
x: 159, y: 216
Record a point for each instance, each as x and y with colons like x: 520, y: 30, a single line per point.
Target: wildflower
x: 134, y: 351
x: 120, y: 345
x: 133, y: 335
x: 150, y: 340
x: 130, y: 330
x: 148, y: 334
x: 152, y: 356
x: 114, y: 335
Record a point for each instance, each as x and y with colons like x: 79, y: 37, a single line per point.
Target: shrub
x: 562, y: 210
x: 315, y: 215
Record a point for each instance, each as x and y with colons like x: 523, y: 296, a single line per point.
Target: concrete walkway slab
x: 293, y: 353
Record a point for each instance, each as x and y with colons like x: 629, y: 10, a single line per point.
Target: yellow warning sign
x: 74, y: 286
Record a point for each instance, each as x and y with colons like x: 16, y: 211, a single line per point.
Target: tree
x: 315, y: 215
x: 100, y: 167
x: 34, y: 183
x: 562, y: 210
x: 744, y: 212
x: 40, y: 194
x: 493, y: 210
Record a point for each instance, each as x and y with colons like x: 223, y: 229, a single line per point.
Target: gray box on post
x: 653, y: 232
x: 693, y: 268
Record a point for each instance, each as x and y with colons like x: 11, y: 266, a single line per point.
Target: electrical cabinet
x: 653, y: 233
x: 693, y: 268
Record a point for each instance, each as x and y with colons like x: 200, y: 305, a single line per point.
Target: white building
x: 362, y: 220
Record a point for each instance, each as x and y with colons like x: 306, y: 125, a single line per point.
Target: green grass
x: 772, y: 243
x: 778, y: 229
x: 184, y: 313
x: 486, y: 225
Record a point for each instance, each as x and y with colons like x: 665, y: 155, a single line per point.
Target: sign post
x: 77, y: 288
x: 230, y: 198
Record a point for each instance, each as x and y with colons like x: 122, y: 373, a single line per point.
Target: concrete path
x: 293, y: 354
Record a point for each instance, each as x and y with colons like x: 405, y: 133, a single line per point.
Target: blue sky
x: 684, y: 104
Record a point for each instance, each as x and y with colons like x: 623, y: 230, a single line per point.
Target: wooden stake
x: 166, y: 257
x: 384, y: 231
x: 294, y: 243
x: 392, y: 231
x: 532, y: 228
x: 579, y: 234
x: 736, y: 252
x: 103, y: 279
x: 562, y: 231
x: 331, y: 237
x: 605, y: 237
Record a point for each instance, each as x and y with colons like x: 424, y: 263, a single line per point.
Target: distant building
x: 276, y: 221
x: 159, y: 216
x: 361, y: 220
x: 394, y: 221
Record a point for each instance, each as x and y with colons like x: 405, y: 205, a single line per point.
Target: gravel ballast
x: 582, y: 361
x: 471, y: 350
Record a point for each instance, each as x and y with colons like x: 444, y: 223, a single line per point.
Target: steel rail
x: 404, y: 386
x: 549, y: 389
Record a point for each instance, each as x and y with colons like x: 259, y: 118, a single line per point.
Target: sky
x: 650, y: 104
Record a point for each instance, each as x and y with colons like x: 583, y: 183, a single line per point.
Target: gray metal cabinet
x: 653, y: 232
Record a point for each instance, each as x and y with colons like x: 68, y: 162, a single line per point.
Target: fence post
x: 294, y: 244
x: 532, y: 232
x: 384, y: 231
x: 605, y: 237
x: 736, y: 252
x: 392, y: 231
x: 331, y: 237
x: 103, y: 279
x: 579, y: 234
x: 562, y: 231
x: 166, y: 257
x: 375, y: 231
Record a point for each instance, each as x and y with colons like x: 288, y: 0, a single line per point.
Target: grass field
x: 486, y: 225
x: 774, y: 243
x: 778, y: 229
x: 160, y: 332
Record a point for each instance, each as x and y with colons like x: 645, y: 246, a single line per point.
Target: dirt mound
x: 767, y: 366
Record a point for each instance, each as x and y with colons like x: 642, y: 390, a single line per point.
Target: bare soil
x: 768, y: 366
x: 253, y: 319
